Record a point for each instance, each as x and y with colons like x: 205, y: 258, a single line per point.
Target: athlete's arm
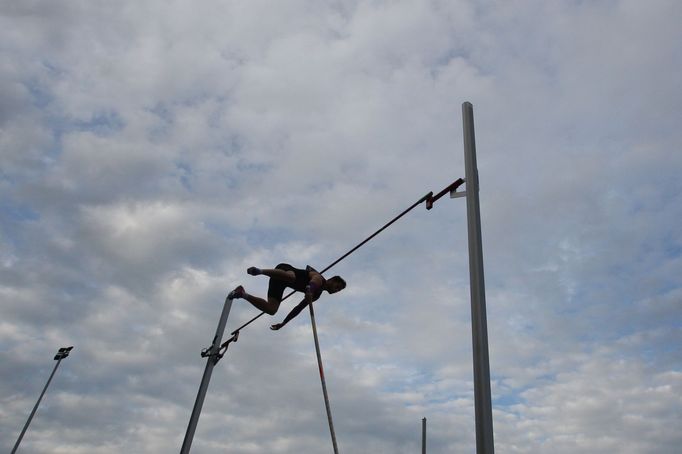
x: 295, y: 311
x: 315, y: 283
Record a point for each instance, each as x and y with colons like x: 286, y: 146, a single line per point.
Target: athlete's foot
x: 253, y: 271
x: 237, y: 293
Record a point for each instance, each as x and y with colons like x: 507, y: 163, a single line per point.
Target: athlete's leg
x: 282, y: 272
x: 281, y: 275
x: 268, y: 306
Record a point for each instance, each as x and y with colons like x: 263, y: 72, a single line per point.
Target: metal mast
x: 214, y: 354
x: 61, y: 354
x: 479, y: 327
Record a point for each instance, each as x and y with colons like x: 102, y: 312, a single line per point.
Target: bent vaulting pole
x: 213, y: 357
x: 324, y: 383
x: 479, y: 328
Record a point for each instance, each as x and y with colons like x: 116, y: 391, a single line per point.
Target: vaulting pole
x: 483, y: 403
x: 324, y: 383
x: 211, y: 361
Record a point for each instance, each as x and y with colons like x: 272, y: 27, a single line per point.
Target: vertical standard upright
x: 479, y: 326
x: 61, y: 354
x: 213, y: 354
x: 423, y: 435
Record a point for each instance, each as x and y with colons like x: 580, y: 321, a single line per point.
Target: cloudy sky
x: 152, y: 151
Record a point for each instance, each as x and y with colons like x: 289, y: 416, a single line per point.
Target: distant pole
x: 424, y: 436
x: 61, y: 354
x: 211, y: 361
x: 324, y: 383
x: 483, y: 403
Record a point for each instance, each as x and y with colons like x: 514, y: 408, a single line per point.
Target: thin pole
x: 424, y: 436
x: 479, y: 328
x: 324, y: 383
x: 210, y: 363
x: 35, y: 407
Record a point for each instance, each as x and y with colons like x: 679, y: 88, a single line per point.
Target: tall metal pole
x: 324, y: 383
x: 63, y: 353
x: 483, y: 403
x: 210, y: 363
x: 423, y: 435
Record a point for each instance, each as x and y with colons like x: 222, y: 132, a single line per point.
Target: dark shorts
x: 276, y: 287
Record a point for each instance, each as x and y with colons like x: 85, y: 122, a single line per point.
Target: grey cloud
x: 150, y: 153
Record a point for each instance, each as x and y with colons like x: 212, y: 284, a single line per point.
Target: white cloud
x: 152, y: 152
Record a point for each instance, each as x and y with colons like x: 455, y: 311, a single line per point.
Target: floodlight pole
x: 213, y: 354
x: 61, y: 354
x: 479, y: 328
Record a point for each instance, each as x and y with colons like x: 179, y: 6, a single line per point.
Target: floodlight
x: 62, y: 353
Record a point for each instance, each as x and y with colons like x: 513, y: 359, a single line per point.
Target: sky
x: 152, y: 151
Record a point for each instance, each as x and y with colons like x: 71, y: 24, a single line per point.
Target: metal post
x: 63, y: 353
x: 210, y: 363
x: 324, y: 383
x: 424, y: 436
x: 483, y: 403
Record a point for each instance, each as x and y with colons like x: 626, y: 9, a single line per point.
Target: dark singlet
x: 276, y: 287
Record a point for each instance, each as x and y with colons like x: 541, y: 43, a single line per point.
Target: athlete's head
x: 335, y: 284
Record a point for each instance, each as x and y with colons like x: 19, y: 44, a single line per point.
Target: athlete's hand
x: 253, y: 271
x: 276, y: 326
